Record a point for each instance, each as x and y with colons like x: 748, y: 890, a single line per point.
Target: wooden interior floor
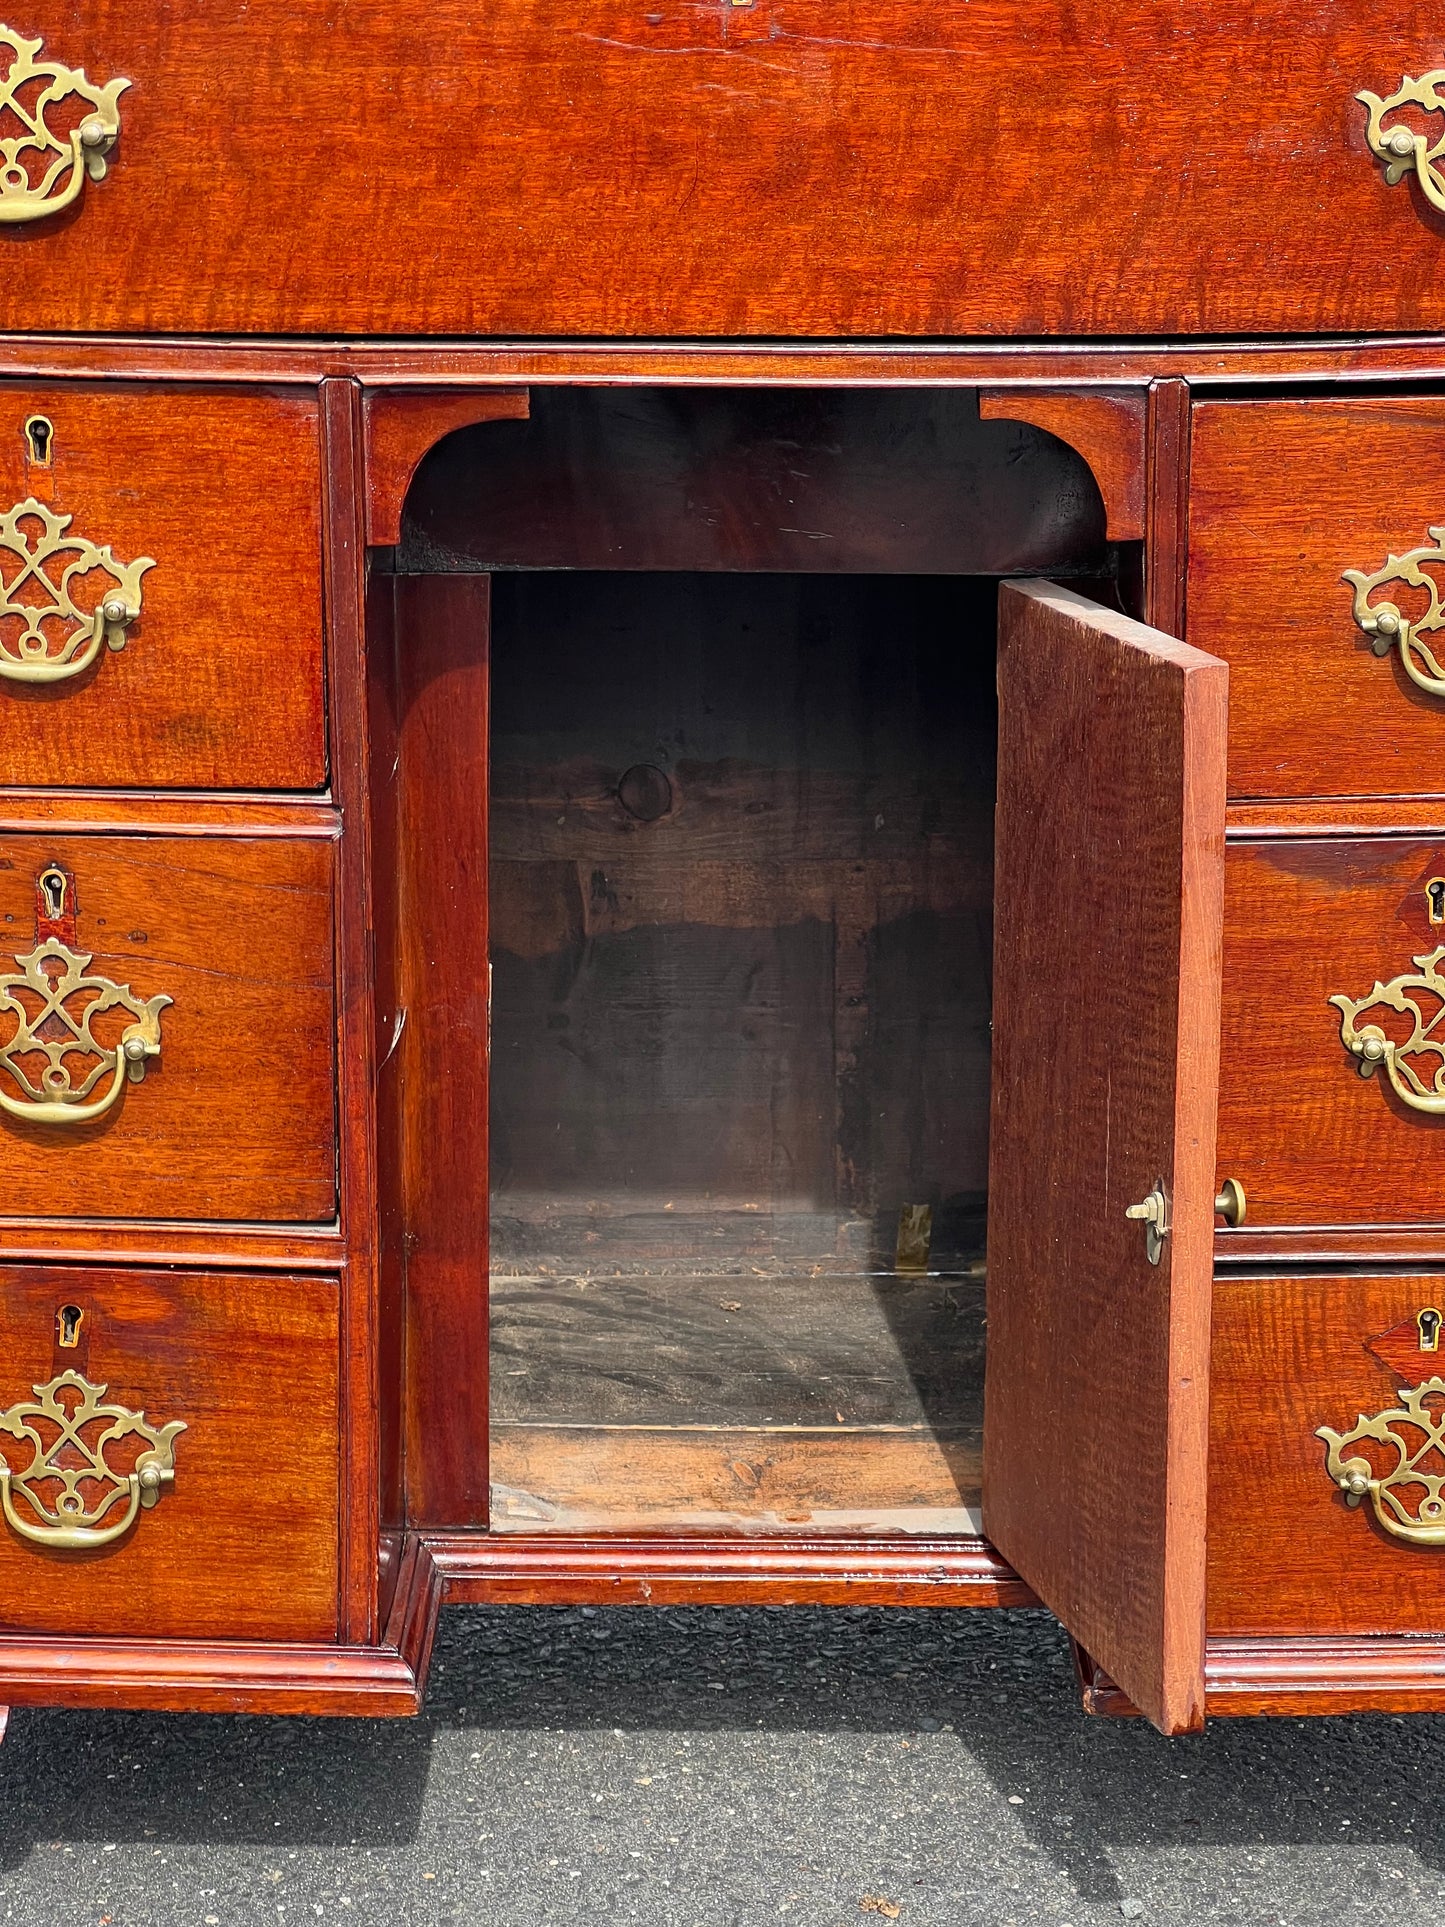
x: 850, y: 1404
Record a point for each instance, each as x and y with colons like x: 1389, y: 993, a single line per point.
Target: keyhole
x: 69, y: 1318
x: 1435, y: 897
x: 1429, y: 1322
x: 40, y: 439
x: 53, y: 887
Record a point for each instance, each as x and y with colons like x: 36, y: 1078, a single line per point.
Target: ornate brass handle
x: 1398, y: 148
x: 1386, y: 624
x: 1374, y: 1047
x: 38, y: 998
x: 1408, y: 1500
x: 37, y: 600
x: 68, y: 1497
x: 41, y: 171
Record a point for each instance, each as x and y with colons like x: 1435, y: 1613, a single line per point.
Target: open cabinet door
x: 1109, y: 895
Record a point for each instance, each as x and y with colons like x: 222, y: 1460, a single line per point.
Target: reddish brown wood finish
x: 244, y: 1544
x: 219, y: 685
x: 399, y: 363
x: 848, y: 479
x: 1166, y: 515
x: 734, y: 172
x: 1294, y: 1677
x: 236, y: 1119
x: 400, y: 428
x: 1105, y: 425
x: 1284, y: 496
x: 679, y: 1570
x: 1314, y: 1143
x: 345, y: 560
x: 240, y: 1246
x: 444, y: 976
x: 239, y: 1677
x: 1106, y: 981
x: 1287, y: 1556
x: 152, y: 813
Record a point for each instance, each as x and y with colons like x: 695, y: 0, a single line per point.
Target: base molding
x: 1269, y: 1675
x: 541, y: 1569
x: 213, y: 1676
x: 1359, y: 1673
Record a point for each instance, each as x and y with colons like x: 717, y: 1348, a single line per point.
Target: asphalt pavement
x: 724, y: 1769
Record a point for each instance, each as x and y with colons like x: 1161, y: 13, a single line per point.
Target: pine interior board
x: 849, y: 1401
x: 747, y: 1025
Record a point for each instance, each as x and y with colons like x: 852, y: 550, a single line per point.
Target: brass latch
x: 1153, y: 1213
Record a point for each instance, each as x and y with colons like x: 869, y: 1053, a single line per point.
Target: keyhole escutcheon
x: 53, y: 887
x: 1435, y: 899
x: 1428, y: 1323
x: 68, y: 1321
x: 40, y: 440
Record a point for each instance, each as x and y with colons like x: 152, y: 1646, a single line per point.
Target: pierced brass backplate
x: 1400, y: 149
x: 1386, y: 624
x: 1419, y: 997
x: 1408, y: 1501
x: 54, y: 1002
x: 69, y: 1496
x: 42, y: 171
x: 46, y: 635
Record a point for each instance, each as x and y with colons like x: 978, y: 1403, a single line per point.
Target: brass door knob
x: 1231, y: 1203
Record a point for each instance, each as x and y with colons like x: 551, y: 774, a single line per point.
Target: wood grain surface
x: 735, y: 170
x: 684, y: 1401
x: 444, y: 985
x: 741, y: 898
x: 1109, y: 861
x: 1284, y: 495
x: 1313, y: 1142
x: 399, y: 430
x: 732, y: 1569
x: 243, y: 1545
x: 236, y: 1118
x: 1107, y: 426
x: 1286, y: 1554
x: 822, y: 480
x: 219, y: 685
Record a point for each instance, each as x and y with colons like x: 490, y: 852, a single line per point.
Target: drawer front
x: 535, y: 169
x: 1288, y: 1551
x: 171, y: 1450
x: 197, y: 515
x: 1314, y: 1141
x: 167, y: 1027
x: 1285, y: 497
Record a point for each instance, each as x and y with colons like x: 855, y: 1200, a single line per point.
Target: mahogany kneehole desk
x: 722, y: 864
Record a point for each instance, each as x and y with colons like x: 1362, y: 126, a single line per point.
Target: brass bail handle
x: 42, y: 171
x: 1398, y: 147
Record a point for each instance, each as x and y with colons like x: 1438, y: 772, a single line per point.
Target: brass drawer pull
x: 38, y: 997
x: 1426, y: 1041
x: 1408, y: 1501
x: 68, y: 1497
x: 49, y: 564
x: 41, y: 171
x: 1399, y: 150
x: 1386, y: 624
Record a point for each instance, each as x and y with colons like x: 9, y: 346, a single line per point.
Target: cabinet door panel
x: 1110, y: 849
